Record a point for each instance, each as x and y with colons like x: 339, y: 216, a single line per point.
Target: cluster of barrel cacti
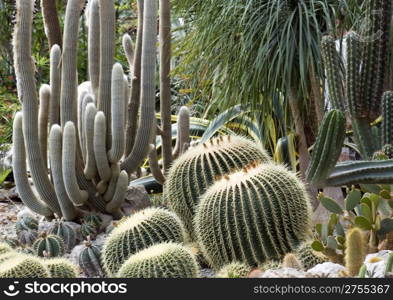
x: 356, y: 89
x: 101, y: 131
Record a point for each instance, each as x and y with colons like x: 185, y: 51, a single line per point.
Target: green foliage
x: 368, y: 209
x: 165, y: 260
x: 139, y: 231
x: 243, y: 216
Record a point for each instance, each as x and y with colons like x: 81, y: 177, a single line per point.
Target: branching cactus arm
x: 94, y: 46
x: 55, y: 85
x: 103, y: 167
x: 20, y: 173
x: 43, y: 121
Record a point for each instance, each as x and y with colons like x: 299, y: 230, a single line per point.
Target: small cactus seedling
x: 52, y: 244
x: 165, y: 260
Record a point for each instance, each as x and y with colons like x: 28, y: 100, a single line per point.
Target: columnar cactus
x: 90, y: 260
x: 66, y: 232
x: 327, y: 148
x: 50, y: 244
x: 23, y: 266
x: 355, y: 251
x: 91, y: 158
x: 387, y: 118
x: 193, y: 172
x: 165, y: 260
x: 60, y: 268
x: 141, y: 230
x: 257, y: 214
x: 234, y: 270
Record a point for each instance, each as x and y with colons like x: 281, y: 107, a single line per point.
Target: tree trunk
x: 51, y: 21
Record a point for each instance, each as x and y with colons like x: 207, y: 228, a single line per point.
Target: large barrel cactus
x: 23, y: 266
x: 165, y: 260
x: 257, y: 214
x: 143, y: 229
x: 194, y: 171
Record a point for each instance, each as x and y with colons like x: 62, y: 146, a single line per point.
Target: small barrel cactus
x: 257, y: 214
x: 10, y: 241
x: 66, y: 232
x: 292, y: 261
x: 388, y: 150
x: 89, y: 229
x: 52, y: 244
x: 4, y: 248
x: 308, y: 256
x: 93, y: 219
x: 26, y: 223
x: 141, y: 230
x: 61, y: 268
x: 234, y: 270
x: 27, y: 237
x: 165, y: 260
x: 194, y: 171
x: 90, y: 260
x: 23, y: 266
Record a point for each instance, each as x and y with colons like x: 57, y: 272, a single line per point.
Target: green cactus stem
x: 387, y: 118
x: 43, y: 116
x: 52, y: 244
x: 90, y: 170
x: 55, y: 85
x: 99, y: 143
x: 94, y: 46
x: 90, y: 260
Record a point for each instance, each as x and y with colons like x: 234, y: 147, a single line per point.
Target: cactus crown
x: 253, y: 216
x: 61, y: 268
x: 22, y: 266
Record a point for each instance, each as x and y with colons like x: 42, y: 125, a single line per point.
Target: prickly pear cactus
x: 23, y: 266
x: 257, y: 214
x: 50, y: 244
x: 194, y: 171
x: 165, y: 260
x: 234, y: 270
x: 139, y: 231
x: 61, y: 268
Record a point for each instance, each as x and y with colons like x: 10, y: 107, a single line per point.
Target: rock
x: 26, y: 212
x: 136, y: 199
x: 13, y: 194
x: 207, y: 273
x: 99, y: 240
x: 106, y: 221
x: 284, y: 273
x: 256, y: 273
x: 376, y: 264
x: 326, y: 270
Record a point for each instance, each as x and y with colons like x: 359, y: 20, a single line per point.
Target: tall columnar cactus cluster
x: 198, y: 168
x: 259, y: 213
x: 95, y: 141
x: 139, y: 231
x: 359, y: 82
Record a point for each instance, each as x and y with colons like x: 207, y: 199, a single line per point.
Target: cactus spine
x: 355, y: 251
x: 141, y: 230
x: 52, y: 244
x: 308, y: 257
x: 327, y: 148
x: 257, y: 214
x: 193, y: 172
x: 165, y: 260
x: 387, y: 118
